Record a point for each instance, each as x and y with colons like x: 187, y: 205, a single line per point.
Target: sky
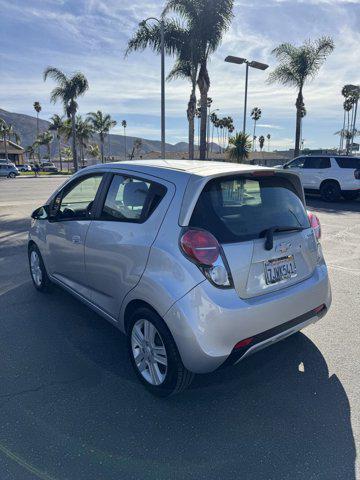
x: 91, y: 36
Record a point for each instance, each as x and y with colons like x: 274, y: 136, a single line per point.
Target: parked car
x: 24, y: 167
x: 6, y: 162
x: 200, y: 264
x: 8, y: 170
x: 48, y: 167
x: 330, y: 175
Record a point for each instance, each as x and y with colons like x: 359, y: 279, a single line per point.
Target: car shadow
x: 341, y: 207
x: 71, y: 406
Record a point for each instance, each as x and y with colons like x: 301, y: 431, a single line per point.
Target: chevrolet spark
x: 199, y: 264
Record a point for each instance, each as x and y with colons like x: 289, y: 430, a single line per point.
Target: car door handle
x: 76, y: 239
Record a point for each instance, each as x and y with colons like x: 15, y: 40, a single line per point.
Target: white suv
x: 332, y: 176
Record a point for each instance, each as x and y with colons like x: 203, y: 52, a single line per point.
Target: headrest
x: 135, y: 194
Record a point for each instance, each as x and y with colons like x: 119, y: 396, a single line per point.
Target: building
x: 16, y: 154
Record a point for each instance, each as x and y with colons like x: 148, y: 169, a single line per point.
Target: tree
x: 296, y: 66
x: 352, y: 95
x: 84, y: 131
x: 204, y: 23
x: 124, y: 125
x: 37, y: 108
x: 56, y: 126
x: 93, y: 151
x: 30, y: 151
x: 101, y: 124
x: 255, y: 115
x: 4, y: 134
x: 261, y: 142
x: 239, y: 147
x: 268, y: 136
x: 137, y: 145
x: 44, y: 139
x: 207, y: 21
x: 68, y: 90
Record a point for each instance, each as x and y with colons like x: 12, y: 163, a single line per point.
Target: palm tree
x: 193, y: 42
x: 255, y: 115
x: 268, y: 136
x: 84, y: 132
x: 101, y: 125
x: 206, y: 21
x: 261, y: 142
x: 4, y: 133
x: 67, y: 91
x: 55, y: 126
x: 239, y: 147
x: 93, y: 151
x: 30, y: 151
x: 37, y: 108
x: 124, y: 125
x: 296, y: 66
x: 44, y: 139
x: 137, y: 146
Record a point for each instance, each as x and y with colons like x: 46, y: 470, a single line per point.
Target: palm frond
x: 56, y: 74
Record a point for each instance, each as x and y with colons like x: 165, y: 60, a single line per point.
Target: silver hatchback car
x: 200, y: 264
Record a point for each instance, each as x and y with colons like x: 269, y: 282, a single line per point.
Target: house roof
x: 11, y: 147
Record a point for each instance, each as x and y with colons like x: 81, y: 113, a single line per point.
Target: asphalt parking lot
x: 71, y: 407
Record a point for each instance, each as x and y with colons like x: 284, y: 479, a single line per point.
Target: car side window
x: 75, y: 202
x: 317, y: 162
x: 297, y: 163
x: 131, y: 199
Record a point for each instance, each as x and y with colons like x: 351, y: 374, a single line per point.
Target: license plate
x: 280, y: 269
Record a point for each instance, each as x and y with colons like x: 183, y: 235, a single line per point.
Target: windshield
x: 242, y: 208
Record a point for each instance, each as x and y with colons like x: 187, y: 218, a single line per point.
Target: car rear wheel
x: 154, y: 355
x: 350, y: 195
x: 38, y: 272
x: 330, y: 191
x: 12, y: 175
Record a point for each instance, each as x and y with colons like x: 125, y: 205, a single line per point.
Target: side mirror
x: 285, y: 166
x: 41, y: 213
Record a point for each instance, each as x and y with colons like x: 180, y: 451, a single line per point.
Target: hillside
x: 25, y: 126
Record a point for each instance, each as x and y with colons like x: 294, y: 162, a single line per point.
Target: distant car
x: 48, y: 167
x: 8, y: 170
x: 332, y: 176
x: 25, y: 167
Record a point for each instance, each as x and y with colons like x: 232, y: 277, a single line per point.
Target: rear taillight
x: 315, y: 224
x: 202, y: 248
x: 357, y: 174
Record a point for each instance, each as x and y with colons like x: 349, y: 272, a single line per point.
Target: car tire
x: 330, y: 191
x: 38, y: 272
x: 148, y: 332
x: 350, y: 195
x: 12, y: 175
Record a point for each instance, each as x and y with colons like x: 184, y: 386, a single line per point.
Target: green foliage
x: 239, y: 147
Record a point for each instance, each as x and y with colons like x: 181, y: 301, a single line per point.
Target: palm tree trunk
x: 299, y: 104
x: 102, y: 150
x: 342, y: 134
x: 37, y: 134
x: 191, y: 119
x: 204, y: 85
x: 5, y: 146
x: 125, y: 142
x: 354, y: 123
x: 254, y: 135
x: 58, y: 138
x: 73, y: 134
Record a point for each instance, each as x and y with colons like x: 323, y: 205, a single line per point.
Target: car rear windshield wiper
x: 269, y: 234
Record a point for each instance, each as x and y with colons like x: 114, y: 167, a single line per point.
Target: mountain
x: 25, y: 126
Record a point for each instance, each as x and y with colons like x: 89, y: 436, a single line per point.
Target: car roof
x: 169, y: 169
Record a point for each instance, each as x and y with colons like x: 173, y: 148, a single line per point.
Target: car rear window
x: 348, y: 162
x: 242, y: 208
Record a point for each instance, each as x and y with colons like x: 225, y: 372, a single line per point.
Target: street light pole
x: 253, y: 64
x: 162, y: 47
x: 245, y: 100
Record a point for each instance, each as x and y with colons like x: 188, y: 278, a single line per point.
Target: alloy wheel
x: 149, y: 352
x: 35, y: 267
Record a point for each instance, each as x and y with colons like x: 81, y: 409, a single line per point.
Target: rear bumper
x: 208, y: 322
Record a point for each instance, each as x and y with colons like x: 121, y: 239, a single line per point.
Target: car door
x: 120, y: 237
x: 71, y: 215
x: 314, y: 171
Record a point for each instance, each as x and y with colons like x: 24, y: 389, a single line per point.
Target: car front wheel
x: 38, y: 272
x: 154, y: 355
x: 12, y: 175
